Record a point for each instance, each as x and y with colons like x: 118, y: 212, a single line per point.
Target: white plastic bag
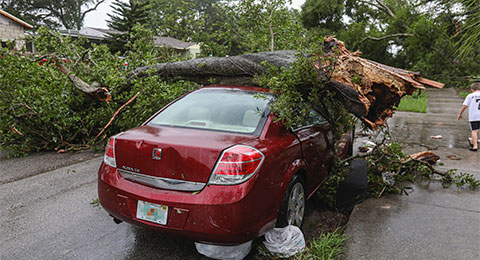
x: 237, y: 252
x: 285, y: 242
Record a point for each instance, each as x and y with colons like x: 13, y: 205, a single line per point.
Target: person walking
x: 472, y: 101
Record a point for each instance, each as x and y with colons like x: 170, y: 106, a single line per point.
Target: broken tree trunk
x: 94, y: 90
x: 368, y: 89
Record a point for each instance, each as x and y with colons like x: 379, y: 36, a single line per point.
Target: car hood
x: 186, y: 154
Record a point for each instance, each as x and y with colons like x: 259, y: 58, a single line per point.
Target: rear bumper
x: 217, y: 214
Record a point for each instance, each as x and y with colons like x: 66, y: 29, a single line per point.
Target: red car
x: 214, y: 166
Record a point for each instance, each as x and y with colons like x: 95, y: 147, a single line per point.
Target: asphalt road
x: 45, y: 213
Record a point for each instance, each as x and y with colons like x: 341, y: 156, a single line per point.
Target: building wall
x: 10, y: 30
x: 194, y: 51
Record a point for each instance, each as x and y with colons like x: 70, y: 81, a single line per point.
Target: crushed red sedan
x: 214, y: 166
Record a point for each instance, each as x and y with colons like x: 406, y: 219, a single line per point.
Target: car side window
x: 313, y: 118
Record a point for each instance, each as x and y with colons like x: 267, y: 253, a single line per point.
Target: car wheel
x: 292, y: 210
x: 350, y: 147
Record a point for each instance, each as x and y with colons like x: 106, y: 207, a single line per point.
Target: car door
x: 316, y: 139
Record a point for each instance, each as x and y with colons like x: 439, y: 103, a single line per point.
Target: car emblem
x: 157, y: 154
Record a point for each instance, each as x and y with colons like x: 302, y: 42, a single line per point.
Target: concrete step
x: 443, y: 110
x: 426, y: 117
x: 440, y: 91
x: 445, y: 100
x: 443, y: 105
x: 443, y: 95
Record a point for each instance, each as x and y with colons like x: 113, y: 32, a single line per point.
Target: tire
x: 292, y: 211
x: 354, y: 188
x: 350, y: 146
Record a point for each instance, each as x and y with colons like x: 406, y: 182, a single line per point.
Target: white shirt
x: 472, y: 101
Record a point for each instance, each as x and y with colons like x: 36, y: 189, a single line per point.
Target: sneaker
x: 470, y: 140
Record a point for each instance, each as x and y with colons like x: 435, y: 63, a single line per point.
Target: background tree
x: 176, y: 19
x: 68, y: 14
x: 468, y: 44
x: 125, y: 16
x: 419, y: 35
x: 208, y: 22
x: 266, y: 25
x: 229, y: 27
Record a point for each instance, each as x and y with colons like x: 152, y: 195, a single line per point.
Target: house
x: 185, y: 49
x: 12, y: 29
x: 98, y: 35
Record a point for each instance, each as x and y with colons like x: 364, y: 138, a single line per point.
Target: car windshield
x: 217, y: 109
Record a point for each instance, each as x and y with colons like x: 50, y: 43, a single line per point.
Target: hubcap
x: 296, y: 205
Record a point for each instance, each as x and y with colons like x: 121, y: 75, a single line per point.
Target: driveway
x: 431, y: 222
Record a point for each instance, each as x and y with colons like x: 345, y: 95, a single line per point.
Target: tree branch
x: 95, y: 90
x: 369, y: 3
x: 92, y: 9
x: 114, y: 115
x: 272, y: 35
x: 385, y: 8
x: 395, y: 35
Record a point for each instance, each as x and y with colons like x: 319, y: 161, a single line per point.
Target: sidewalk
x: 432, y: 222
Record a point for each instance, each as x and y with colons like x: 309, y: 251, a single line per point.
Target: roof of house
x: 172, y: 42
x: 107, y: 31
x: 102, y: 34
x: 91, y: 33
x: 15, y: 19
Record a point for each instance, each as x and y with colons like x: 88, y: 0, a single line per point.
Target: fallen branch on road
x: 113, y: 117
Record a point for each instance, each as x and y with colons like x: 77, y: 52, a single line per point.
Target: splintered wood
x: 427, y: 156
x: 379, y: 87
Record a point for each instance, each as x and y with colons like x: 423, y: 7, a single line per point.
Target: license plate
x: 152, y: 212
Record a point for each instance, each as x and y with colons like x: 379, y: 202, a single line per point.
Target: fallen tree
x: 51, y: 107
x: 368, y: 89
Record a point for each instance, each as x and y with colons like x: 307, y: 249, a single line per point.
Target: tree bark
x: 235, y: 70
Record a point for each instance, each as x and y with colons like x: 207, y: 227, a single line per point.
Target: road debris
x: 427, y: 156
x: 285, y: 242
x: 453, y: 157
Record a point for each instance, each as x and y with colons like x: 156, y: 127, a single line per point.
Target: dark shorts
x: 474, y: 125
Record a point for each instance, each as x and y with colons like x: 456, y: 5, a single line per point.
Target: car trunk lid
x: 171, y: 158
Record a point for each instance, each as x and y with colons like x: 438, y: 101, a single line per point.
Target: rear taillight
x: 109, y: 157
x: 236, y: 165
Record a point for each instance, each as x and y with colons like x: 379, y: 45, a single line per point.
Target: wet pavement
x: 46, y: 214
x: 432, y: 222
x: 46, y: 211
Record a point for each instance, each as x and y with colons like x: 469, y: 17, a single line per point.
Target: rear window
x: 217, y: 109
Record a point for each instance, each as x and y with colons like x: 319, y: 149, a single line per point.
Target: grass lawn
x: 464, y: 94
x: 327, y: 247
x: 414, y: 103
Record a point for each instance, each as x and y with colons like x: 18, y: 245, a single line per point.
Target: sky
x: 98, y: 18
